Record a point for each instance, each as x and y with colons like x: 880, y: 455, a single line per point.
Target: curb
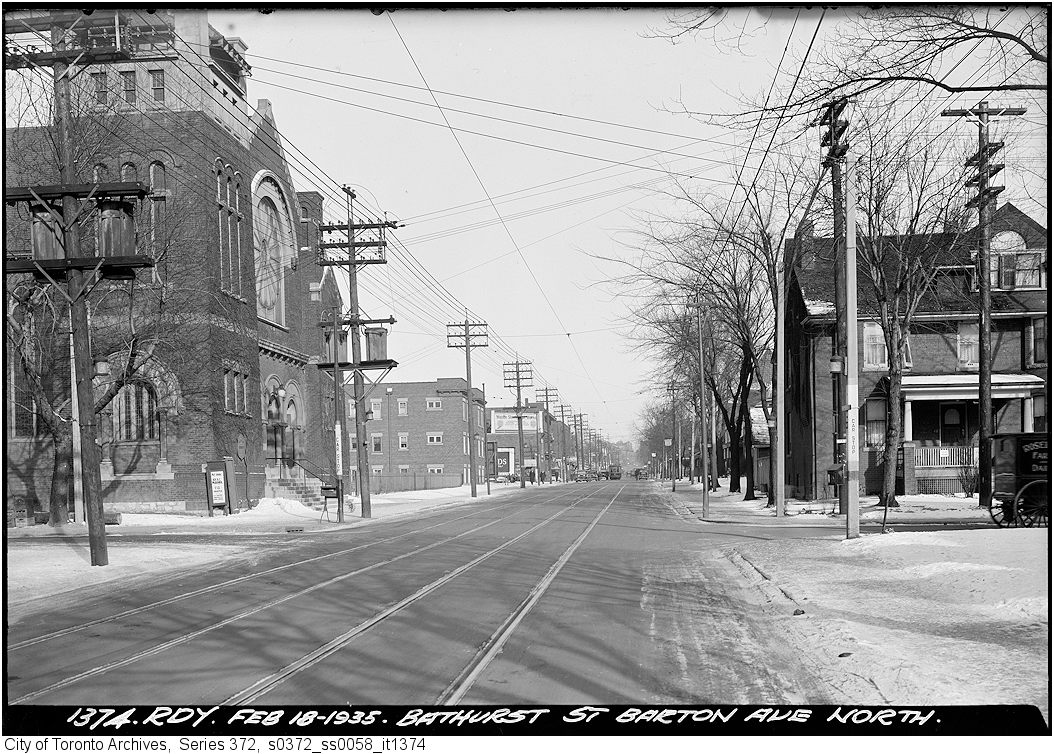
x: 771, y: 588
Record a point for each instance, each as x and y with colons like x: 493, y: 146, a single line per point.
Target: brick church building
x: 229, y: 343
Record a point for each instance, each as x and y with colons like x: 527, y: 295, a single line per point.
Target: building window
x: 435, y: 469
x: 464, y: 442
x: 274, y: 241
x: 135, y: 413
x: 402, y: 406
x: 235, y: 391
x: 464, y: 410
x: 128, y: 80
x: 479, y: 417
x: 1039, y: 413
x: 377, y: 470
x: 1039, y: 340
x: 435, y: 438
x: 433, y: 404
x: 99, y: 83
x: 375, y: 407
x: 404, y: 469
x: 27, y: 423
x: 157, y: 84
x: 875, y: 424
x: 404, y: 441
x: 1012, y: 264
x: 375, y: 441
x: 969, y: 345
x: 874, y: 346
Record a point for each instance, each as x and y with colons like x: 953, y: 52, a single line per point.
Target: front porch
x: 942, y: 422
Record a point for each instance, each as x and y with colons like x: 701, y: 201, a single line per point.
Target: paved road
x: 576, y: 594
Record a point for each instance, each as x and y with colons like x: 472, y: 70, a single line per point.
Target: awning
x: 928, y: 387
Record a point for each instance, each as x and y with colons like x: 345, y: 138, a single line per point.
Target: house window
x: 404, y: 469
x: 404, y: 441
x: 874, y: 346
x: 435, y: 469
x: 433, y: 404
x: 375, y: 440
x: 377, y: 470
x: 435, y: 438
x: 135, y: 413
x: 464, y: 410
x: 464, y: 442
x: 1039, y: 340
x: 1039, y: 413
x: 375, y: 407
x: 100, y: 83
x: 969, y: 345
x: 479, y: 416
x: 1012, y: 264
x: 128, y: 79
x: 875, y: 424
x: 402, y: 406
x: 157, y: 84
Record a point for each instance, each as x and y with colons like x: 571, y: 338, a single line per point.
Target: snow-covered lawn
x: 42, y: 563
x: 950, y: 617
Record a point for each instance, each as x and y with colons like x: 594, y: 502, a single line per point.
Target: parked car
x: 581, y: 477
x: 604, y: 475
x: 591, y: 476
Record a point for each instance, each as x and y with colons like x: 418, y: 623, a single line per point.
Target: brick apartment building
x: 237, y: 376
x: 417, y: 434
x: 940, y: 386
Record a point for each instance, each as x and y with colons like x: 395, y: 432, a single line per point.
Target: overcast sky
x: 510, y: 219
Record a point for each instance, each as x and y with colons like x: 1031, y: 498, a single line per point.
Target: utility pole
x: 672, y: 389
x: 468, y: 335
x: 518, y: 374
x: 563, y: 439
x: 833, y: 140
x: 852, y: 402
x: 65, y: 31
x: 357, y: 365
x: 984, y: 200
x: 548, y: 394
x: 580, y: 440
x: 704, y: 455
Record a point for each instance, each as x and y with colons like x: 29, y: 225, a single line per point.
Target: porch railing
x: 948, y: 455
x: 325, y: 475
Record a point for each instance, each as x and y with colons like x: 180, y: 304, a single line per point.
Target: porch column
x: 907, y: 420
x: 1028, y: 416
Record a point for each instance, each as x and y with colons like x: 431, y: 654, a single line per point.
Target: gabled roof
x: 951, y: 251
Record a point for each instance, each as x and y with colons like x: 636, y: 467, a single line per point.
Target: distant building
x: 549, y: 445
x: 417, y: 434
x: 940, y: 387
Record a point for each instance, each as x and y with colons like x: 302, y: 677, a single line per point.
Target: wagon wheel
x: 1033, y: 504
x: 1002, y: 512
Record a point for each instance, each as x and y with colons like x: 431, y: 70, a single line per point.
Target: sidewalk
x: 46, y: 562
x: 726, y: 507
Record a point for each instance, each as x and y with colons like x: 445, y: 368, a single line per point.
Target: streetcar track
x: 264, y: 685
x: 159, y: 648
x: 58, y: 633
x: 456, y: 690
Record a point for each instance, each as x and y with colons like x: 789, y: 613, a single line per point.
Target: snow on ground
x: 44, y: 561
x: 905, y: 618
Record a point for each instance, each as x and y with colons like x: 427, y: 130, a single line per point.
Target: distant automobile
x: 591, y: 476
x: 581, y: 477
x: 604, y: 475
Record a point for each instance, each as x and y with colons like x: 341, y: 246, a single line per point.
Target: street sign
x: 667, y: 442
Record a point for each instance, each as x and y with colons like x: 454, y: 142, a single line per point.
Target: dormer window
x: 1012, y: 265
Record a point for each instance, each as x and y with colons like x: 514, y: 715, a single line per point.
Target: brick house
x: 239, y: 381
x: 417, y: 434
x: 940, y: 386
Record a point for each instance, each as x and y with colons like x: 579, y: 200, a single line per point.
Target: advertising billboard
x: 505, y: 421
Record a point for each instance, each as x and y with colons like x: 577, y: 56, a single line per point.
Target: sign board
x: 667, y: 442
x: 530, y: 463
x: 219, y: 484
x: 505, y: 421
x: 340, y: 450
x: 504, y: 460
